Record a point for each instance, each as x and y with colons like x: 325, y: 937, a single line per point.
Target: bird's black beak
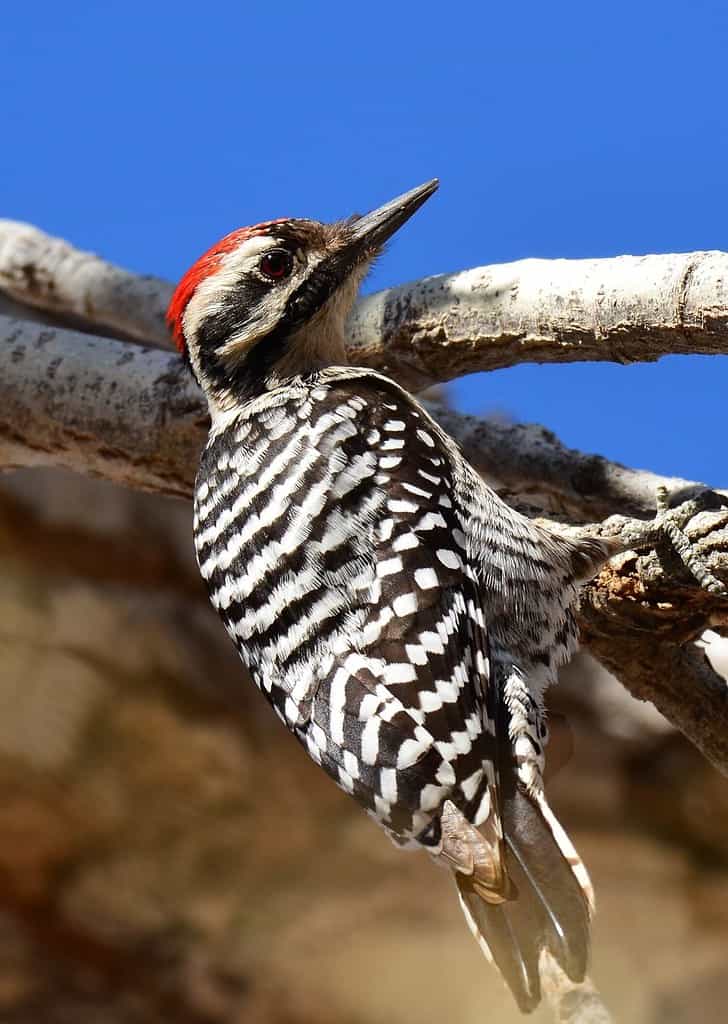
x: 368, y: 234
x: 354, y: 244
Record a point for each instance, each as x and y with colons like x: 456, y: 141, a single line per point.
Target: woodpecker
x: 403, y: 621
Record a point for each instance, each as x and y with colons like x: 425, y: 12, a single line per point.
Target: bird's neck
x: 273, y: 363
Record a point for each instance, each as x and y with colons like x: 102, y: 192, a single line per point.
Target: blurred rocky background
x: 168, y: 853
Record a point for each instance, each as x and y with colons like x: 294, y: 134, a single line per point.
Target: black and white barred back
x: 403, y: 622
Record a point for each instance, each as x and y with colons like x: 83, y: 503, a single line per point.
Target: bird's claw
x: 668, y: 526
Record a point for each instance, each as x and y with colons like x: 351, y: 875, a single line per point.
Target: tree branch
x: 569, y: 1002
x: 677, y: 678
x: 626, y: 309
x: 528, y: 461
x: 50, y: 274
x: 132, y: 414
x: 94, y: 405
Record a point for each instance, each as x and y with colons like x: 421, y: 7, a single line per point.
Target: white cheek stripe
x: 212, y: 293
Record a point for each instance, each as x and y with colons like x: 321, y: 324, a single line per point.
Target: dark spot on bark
x: 31, y: 278
x: 107, y: 452
x: 17, y: 355
x: 53, y: 366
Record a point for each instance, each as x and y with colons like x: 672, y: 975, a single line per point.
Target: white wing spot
x: 431, y: 796
x: 426, y: 579
x: 430, y: 477
x: 345, y: 780
x: 385, y: 529
x: 351, y: 764
x: 470, y: 785
x: 430, y: 701
x: 447, y: 690
x: 413, y: 489
x: 389, y: 566
x: 370, y: 740
x: 483, y: 810
x: 462, y: 743
x: 431, y: 642
x: 411, y: 751
x: 388, y: 784
x: 416, y: 654
x: 397, y: 505
x: 402, y: 672
x: 449, y: 558
x: 430, y: 520
x: 406, y: 604
x: 405, y: 541
x: 381, y: 808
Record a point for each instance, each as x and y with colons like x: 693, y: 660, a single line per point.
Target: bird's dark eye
x: 276, y: 264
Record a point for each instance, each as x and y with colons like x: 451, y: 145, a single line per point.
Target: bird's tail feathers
x: 548, y: 901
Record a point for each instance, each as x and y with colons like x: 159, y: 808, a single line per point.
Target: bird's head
x: 269, y: 302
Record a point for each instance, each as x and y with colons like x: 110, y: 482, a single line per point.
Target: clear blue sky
x: 146, y: 130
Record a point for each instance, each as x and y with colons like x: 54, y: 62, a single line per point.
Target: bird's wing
x: 400, y: 715
x: 336, y: 551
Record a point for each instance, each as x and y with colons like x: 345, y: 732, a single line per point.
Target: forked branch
x: 130, y: 413
x: 625, y: 309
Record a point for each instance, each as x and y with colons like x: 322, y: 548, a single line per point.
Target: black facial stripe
x: 216, y: 329
x: 312, y: 293
x: 248, y: 376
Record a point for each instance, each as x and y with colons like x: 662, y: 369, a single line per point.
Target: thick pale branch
x: 132, y: 414
x: 50, y: 274
x: 124, y: 412
x: 677, y: 678
x: 625, y: 309
x: 529, y: 462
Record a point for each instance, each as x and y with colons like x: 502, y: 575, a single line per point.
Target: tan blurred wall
x: 167, y: 852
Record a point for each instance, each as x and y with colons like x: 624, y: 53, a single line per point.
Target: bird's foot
x: 668, y: 529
